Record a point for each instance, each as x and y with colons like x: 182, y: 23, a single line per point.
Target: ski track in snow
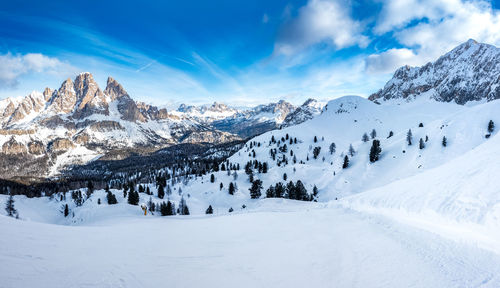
x: 316, y: 247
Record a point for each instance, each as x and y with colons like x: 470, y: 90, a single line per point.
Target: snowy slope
x: 298, y: 248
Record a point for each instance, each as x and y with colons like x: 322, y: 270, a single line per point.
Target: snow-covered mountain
x: 79, y: 122
x: 470, y: 72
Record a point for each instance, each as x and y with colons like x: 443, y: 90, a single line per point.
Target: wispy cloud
x: 12, y: 67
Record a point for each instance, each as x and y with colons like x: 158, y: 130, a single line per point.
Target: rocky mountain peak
x: 114, y: 89
x: 469, y: 72
x: 64, y: 99
x: 88, y: 92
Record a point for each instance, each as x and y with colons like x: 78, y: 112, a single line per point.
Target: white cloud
x: 320, y: 21
x: 442, y: 25
x: 14, y: 66
x: 389, y: 60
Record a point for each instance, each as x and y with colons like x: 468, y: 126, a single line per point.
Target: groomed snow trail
x: 316, y: 247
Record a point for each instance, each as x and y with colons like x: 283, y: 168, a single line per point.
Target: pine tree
x: 290, y: 190
x: 316, y: 152
x: 333, y: 147
x: 315, y: 191
x: 220, y: 186
x: 66, y: 210
x: 421, y: 125
x: 390, y: 134
x: 209, y: 210
x: 301, y: 191
x: 351, y: 150
x: 90, y: 188
x: 315, y: 139
x: 444, y: 142
x: 270, y: 192
x: 230, y: 209
x: 212, y: 178
x: 409, y: 137
x: 421, y: 144
x: 231, y: 188
x: 255, y: 190
x: 365, y: 138
x: 111, y: 198
x: 161, y: 191
x: 375, y: 151
x: 9, y: 206
x: 98, y: 201
x: 491, y: 126
x: 346, y: 162
x: 133, y: 198
x: 164, y: 209
x: 373, y: 134
x: 279, y: 190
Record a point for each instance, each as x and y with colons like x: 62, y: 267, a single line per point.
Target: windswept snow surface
x: 276, y: 245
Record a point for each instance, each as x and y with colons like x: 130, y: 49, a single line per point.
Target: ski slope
x: 278, y: 245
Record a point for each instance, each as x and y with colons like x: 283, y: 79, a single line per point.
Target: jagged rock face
x: 306, y: 111
x: 61, y: 144
x: 91, y: 100
x: 64, y: 100
x: 114, y: 90
x: 470, y: 72
x: 105, y: 126
x: 32, y: 103
x: 36, y: 148
x: 12, y: 147
x: 47, y: 94
x: 128, y: 109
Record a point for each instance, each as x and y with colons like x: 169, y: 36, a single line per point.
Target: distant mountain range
x: 469, y: 72
x: 79, y: 122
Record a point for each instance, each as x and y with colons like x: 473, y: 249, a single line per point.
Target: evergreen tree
x: 390, y: 134
x: 231, y: 188
x: 333, y: 147
x: 161, y: 191
x: 98, y: 201
x: 107, y: 189
x: 264, y: 167
x: 421, y: 125
x: 133, y: 198
x: 230, y: 210
x: 491, y: 126
x: 209, y: 210
x: 220, y: 186
x: 148, y: 191
x: 169, y: 209
x: 90, y: 188
x: 270, y: 192
x: 279, y: 190
x: 212, y: 178
x: 285, y: 176
x: 111, y: 198
x: 409, y: 137
x: 365, y: 138
x: 9, y: 206
x: 346, y: 162
x: 421, y: 144
x: 444, y: 142
x: 315, y: 139
x: 315, y: 191
x: 66, y: 210
x: 375, y: 151
x: 301, y: 191
x: 351, y: 150
x: 164, y: 209
x: 373, y: 134
x: 255, y: 190
x: 290, y: 190
x: 316, y: 152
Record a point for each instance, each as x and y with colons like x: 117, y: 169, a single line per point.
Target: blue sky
x: 239, y: 52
